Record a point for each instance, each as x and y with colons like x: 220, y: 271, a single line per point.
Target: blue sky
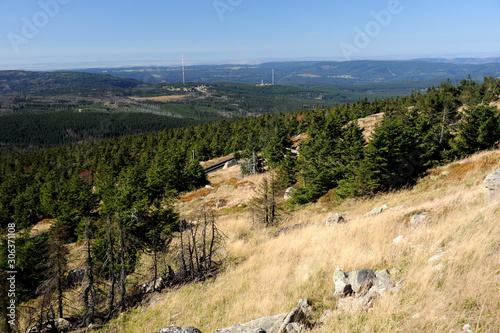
x: 75, y: 33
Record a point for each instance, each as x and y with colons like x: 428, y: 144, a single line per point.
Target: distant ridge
x: 469, y: 61
x: 307, y: 73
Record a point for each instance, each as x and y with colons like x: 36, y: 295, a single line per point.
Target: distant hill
x: 471, y: 61
x: 316, y: 72
x: 15, y: 82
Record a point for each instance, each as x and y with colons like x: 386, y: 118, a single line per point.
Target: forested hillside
x: 115, y: 196
x: 48, y: 109
x: 306, y: 73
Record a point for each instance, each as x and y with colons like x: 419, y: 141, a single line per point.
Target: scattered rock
x: 492, y: 187
x: 210, y: 187
x: 293, y: 322
x: 266, y: 324
x: 467, y: 328
x: 383, y: 280
x: 176, y: 329
x: 358, y: 289
x: 289, y: 193
x: 341, y: 282
x: 56, y: 325
x: 296, y: 321
x: 75, y: 276
x: 335, y: 219
x: 377, y: 210
x: 152, y: 286
x: 355, y: 304
x: 417, y: 220
x: 361, y: 279
x: 438, y: 255
x: 229, y: 164
x: 398, y: 240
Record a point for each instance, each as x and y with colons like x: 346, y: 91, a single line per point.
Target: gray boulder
x: 358, y: 289
x: 383, y: 281
x: 294, y: 321
x: 266, y: 324
x: 492, y: 187
x: 361, y: 280
x: 57, y: 325
x: 75, y: 276
x: 377, y: 210
x: 176, y: 329
x: 335, y: 219
x: 341, y: 282
x: 418, y: 219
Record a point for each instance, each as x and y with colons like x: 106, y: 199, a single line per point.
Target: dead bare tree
x: 264, y: 207
x: 199, y: 243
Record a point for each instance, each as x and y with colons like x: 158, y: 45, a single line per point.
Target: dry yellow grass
x: 266, y: 275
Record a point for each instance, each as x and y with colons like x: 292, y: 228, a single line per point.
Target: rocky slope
x: 424, y: 259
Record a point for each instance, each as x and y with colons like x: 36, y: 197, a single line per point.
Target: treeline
x: 115, y: 195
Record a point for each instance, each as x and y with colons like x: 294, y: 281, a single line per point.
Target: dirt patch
x: 368, y: 124
x: 41, y: 227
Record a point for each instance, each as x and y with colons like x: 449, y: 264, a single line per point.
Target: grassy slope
x: 267, y: 275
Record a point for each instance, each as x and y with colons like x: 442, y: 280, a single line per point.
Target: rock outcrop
x: 335, y: 219
x: 358, y: 289
x: 266, y: 324
x: 57, y: 325
x: 377, y: 210
x: 492, y: 187
x: 295, y: 321
x: 418, y: 219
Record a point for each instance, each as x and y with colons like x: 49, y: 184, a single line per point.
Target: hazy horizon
x: 67, y: 34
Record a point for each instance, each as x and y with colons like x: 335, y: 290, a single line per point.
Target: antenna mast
x: 183, y: 72
x: 273, y: 78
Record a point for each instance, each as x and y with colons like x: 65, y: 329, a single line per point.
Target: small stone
x: 398, y: 240
x: 335, y: 219
x: 417, y: 220
x: 492, y: 187
x: 377, y: 210
x: 341, y: 282
x: 438, y: 255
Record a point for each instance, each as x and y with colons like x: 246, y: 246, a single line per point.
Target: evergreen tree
x: 478, y: 129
